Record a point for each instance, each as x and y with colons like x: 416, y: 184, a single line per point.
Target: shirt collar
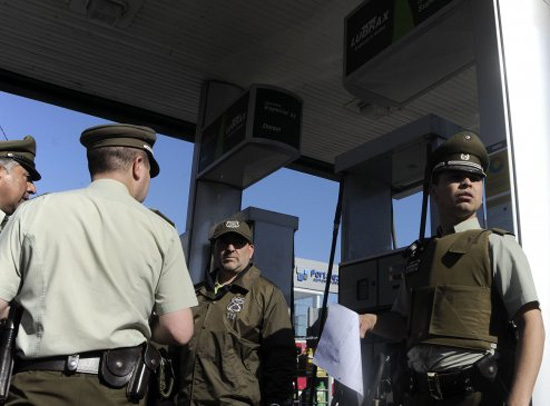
x: 243, y: 282
x: 470, y: 224
x: 3, y: 219
x: 109, y: 186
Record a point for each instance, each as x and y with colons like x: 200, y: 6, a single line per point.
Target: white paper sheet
x: 339, y: 348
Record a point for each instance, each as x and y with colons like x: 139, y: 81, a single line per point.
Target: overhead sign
x: 277, y: 116
x: 224, y: 133
x: 258, y: 134
x: 377, y: 24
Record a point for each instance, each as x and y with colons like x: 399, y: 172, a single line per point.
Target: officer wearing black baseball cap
x: 233, y: 226
x: 239, y: 312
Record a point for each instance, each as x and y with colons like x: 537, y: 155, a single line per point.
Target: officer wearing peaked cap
x: 123, y: 135
x: 462, y: 152
x: 460, y: 291
x: 17, y: 174
x: 103, y: 276
x: 243, y: 313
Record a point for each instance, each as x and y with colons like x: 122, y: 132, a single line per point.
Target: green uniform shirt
x: 94, y: 264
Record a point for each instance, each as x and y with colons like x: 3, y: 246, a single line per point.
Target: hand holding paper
x: 339, y: 348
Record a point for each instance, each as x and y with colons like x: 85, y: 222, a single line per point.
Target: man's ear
x: 137, y: 167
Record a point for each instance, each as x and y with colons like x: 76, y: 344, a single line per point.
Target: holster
x: 8, y: 333
x: 117, y: 365
x: 139, y: 379
x: 488, y: 367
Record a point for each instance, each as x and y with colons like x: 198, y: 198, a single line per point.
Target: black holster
x: 8, y: 333
x: 140, y: 378
x: 130, y: 366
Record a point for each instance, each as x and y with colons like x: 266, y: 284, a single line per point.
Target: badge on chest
x: 235, y: 306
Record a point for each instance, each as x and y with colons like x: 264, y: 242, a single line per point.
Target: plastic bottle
x: 321, y: 394
x: 310, y: 358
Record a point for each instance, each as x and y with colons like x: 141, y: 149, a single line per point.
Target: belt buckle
x: 433, y: 386
x: 72, y: 363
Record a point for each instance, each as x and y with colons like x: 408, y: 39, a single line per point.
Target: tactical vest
x: 451, y: 297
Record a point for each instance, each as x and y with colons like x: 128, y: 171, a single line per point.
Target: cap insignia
x: 148, y: 148
x: 465, y: 157
x: 232, y: 224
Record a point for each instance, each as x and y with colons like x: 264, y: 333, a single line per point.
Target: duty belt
x: 444, y: 385
x: 85, y: 363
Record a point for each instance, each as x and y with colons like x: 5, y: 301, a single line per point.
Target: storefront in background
x: 310, y: 278
x: 309, y: 285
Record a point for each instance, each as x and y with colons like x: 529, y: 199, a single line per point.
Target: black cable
x: 322, y: 313
x: 4, y: 133
x: 425, y: 191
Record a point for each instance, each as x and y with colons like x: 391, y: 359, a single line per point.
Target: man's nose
x: 31, y: 188
x: 466, y: 180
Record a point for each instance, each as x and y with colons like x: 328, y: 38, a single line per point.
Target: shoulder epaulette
x: 501, y: 231
x: 164, y: 217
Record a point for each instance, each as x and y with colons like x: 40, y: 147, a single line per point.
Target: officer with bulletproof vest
x: 97, y: 276
x: 467, y: 307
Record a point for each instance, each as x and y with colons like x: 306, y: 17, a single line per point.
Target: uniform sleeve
x: 512, y: 273
x: 10, y: 259
x: 175, y: 290
x: 278, y: 351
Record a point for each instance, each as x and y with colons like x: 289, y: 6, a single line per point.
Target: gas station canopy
x: 145, y: 62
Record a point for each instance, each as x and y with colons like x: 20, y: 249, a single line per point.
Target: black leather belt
x: 86, y: 363
x: 443, y: 385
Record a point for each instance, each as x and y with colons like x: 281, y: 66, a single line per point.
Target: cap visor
x: 461, y: 168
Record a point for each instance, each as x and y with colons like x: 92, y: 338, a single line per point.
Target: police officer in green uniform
x: 461, y: 289
x: 17, y: 175
x: 243, y: 350
x: 97, y: 275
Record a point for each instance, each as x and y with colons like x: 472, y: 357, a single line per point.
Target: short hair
x: 112, y: 159
x: 8, y: 164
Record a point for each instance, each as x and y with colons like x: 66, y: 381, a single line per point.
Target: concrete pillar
x: 209, y: 202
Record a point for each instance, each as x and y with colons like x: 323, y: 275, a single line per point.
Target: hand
x: 367, y: 322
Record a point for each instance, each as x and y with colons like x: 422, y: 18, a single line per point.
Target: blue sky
x: 61, y: 161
